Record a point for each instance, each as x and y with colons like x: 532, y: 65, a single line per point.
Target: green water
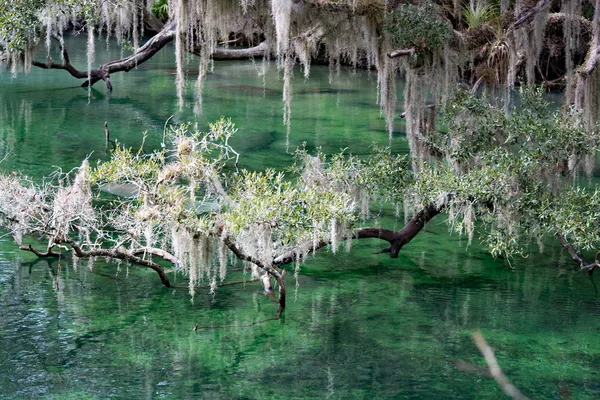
x: 359, y: 325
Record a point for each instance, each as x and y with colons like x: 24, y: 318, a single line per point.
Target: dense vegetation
x: 501, y: 173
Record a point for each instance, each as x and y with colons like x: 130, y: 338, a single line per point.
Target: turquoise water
x: 359, y: 325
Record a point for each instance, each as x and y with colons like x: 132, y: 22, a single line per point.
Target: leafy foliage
x: 160, y: 9
x: 21, y: 21
x: 481, y: 13
x: 516, y: 169
x: 418, y: 26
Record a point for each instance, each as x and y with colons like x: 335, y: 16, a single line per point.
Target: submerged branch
x: 236, y: 325
x: 488, y: 353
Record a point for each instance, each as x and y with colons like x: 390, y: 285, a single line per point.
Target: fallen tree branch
x: 221, y: 53
x: 119, y: 254
x: 48, y: 254
x: 143, y: 54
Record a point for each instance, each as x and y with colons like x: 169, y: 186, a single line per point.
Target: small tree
x: 508, y: 177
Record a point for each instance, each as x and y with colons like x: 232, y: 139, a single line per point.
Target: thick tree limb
x: 143, y: 54
x: 236, y: 54
x: 396, y: 238
x: 592, y: 56
x: 159, y: 253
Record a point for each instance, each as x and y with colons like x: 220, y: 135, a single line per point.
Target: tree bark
x: 578, y: 258
x: 396, y: 238
x: 282, y: 294
x: 112, y: 253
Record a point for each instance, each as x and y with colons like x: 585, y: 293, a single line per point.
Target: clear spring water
x: 359, y: 326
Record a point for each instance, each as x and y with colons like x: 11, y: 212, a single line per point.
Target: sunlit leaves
x: 292, y: 212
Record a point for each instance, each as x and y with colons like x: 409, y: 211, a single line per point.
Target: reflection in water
x: 394, y: 331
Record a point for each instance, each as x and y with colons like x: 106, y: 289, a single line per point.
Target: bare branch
x: 143, y: 54
x: 236, y: 54
x: 66, y: 64
x: 401, y: 53
x: 121, y: 255
x: 48, y: 253
x: 158, y: 253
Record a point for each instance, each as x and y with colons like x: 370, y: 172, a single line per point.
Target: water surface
x: 359, y: 326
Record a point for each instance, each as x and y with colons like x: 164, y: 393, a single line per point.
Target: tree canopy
x: 502, y: 167
x: 433, y: 44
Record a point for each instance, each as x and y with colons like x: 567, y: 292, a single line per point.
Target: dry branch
x: 401, y: 53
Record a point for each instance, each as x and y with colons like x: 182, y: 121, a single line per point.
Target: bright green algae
x: 359, y: 325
